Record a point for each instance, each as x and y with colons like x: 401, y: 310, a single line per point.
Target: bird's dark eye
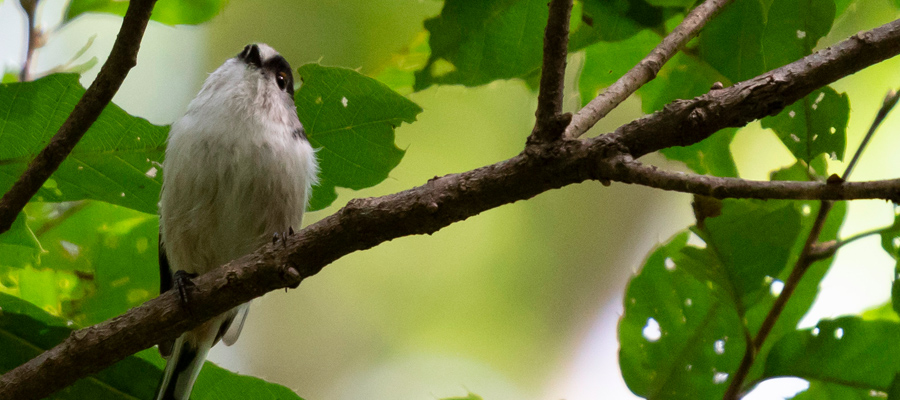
x: 281, y: 80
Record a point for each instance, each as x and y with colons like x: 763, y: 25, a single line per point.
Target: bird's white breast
x: 235, y: 173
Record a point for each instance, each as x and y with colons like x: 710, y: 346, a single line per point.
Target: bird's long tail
x: 183, y: 367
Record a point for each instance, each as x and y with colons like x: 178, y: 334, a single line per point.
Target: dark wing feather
x: 165, y: 283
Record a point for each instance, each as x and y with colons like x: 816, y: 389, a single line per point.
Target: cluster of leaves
x: 86, y: 250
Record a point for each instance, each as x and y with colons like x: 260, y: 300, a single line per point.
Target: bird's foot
x: 283, y: 236
x: 290, y: 271
x: 183, y: 283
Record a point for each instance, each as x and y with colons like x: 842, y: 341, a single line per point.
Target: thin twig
x: 644, y: 71
x: 890, y: 100
x: 35, y: 38
x: 634, y: 172
x: 365, y: 223
x: 121, y: 59
x: 550, y: 122
x: 803, y: 263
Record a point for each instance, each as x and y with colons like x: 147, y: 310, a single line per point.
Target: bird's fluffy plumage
x: 238, y: 169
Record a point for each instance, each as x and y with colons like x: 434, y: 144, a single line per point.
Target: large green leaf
x: 793, y: 28
x: 116, y: 161
x: 814, y: 125
x: 678, y: 338
x: 732, y: 41
x: 613, y: 20
x: 170, y: 12
x: 26, y: 331
x: 734, y: 278
x: 477, y: 42
x: 350, y: 119
x: 753, y: 240
x: 606, y: 62
x: 848, y: 350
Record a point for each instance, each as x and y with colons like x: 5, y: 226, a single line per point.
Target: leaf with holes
x: 849, y: 351
x: 793, y: 28
x: 679, y: 336
x: 350, y: 119
x: 689, y: 310
x: 814, y: 125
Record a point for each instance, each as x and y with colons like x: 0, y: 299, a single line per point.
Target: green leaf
x: 814, y: 125
x: 678, y: 338
x: 711, y: 156
x: 116, y: 161
x: 793, y: 28
x: 350, y: 119
x: 169, y: 12
x: 474, y: 43
x: 894, y: 390
x: 890, y: 237
x: 18, y: 245
x: 883, y: 312
x: 848, y: 350
x: 817, y: 124
x: 608, y: 21
x: 725, y: 279
x: 732, y: 41
x: 753, y: 240
x: 606, y: 62
x: 26, y: 331
x: 819, y: 390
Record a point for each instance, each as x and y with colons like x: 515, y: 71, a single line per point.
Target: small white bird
x: 238, y: 169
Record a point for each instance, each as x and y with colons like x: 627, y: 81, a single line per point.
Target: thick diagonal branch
x: 549, y: 121
x: 121, y: 59
x: 365, y: 223
x: 645, y: 70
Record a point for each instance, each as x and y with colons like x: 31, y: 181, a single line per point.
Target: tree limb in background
x: 644, y: 71
x: 550, y: 122
x: 365, y: 223
x: 121, y: 59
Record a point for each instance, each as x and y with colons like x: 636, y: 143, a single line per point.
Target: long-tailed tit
x: 238, y: 169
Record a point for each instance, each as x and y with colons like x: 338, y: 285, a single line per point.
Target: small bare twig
x: 890, y: 100
x: 550, y: 122
x: 644, y: 71
x: 121, y: 59
x: 35, y: 38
